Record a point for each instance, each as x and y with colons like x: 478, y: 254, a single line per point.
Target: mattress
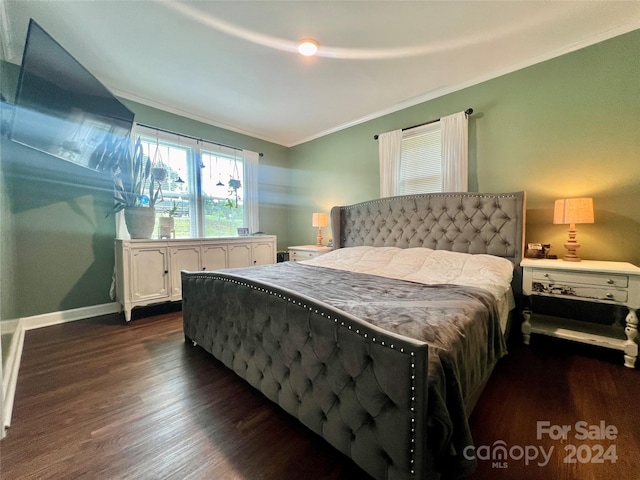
x: 429, y: 267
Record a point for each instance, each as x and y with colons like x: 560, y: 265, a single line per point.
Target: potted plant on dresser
x: 135, y: 187
x: 167, y: 224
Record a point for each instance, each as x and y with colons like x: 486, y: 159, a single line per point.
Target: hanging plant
x: 234, y: 185
x: 158, y: 175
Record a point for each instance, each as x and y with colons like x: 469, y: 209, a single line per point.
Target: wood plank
x: 101, y: 399
x: 562, y: 383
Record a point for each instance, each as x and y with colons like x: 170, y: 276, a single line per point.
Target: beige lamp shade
x: 320, y: 220
x: 571, y: 211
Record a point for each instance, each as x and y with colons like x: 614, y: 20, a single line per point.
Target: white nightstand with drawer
x: 307, y: 252
x: 615, y: 283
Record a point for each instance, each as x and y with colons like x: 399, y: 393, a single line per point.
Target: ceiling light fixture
x: 307, y: 47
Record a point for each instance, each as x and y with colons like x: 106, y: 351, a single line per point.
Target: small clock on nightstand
x: 307, y: 252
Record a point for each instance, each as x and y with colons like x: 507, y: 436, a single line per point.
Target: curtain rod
x: 468, y: 111
x: 157, y: 129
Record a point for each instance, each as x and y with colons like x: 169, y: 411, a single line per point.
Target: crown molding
x: 600, y: 37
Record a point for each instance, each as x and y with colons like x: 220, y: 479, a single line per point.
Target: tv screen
x: 60, y: 107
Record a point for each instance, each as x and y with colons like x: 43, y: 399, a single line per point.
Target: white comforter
x: 423, y: 265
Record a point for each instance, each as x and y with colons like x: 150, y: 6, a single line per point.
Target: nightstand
x: 307, y: 252
x: 615, y: 283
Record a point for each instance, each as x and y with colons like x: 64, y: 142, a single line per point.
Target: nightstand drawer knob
x: 610, y: 282
x: 546, y: 275
x: 609, y: 295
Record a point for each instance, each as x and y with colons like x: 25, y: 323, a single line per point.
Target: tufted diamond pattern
x: 360, y: 388
x: 460, y: 222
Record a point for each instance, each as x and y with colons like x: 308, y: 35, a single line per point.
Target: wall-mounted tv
x: 60, y: 107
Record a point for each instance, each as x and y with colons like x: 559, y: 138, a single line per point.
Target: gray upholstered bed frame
x: 361, y: 388
x: 489, y: 223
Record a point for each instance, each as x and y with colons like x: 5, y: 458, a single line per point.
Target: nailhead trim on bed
x: 339, y: 321
x: 461, y: 222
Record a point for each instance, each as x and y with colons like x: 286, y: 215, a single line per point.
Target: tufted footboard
x: 364, y: 390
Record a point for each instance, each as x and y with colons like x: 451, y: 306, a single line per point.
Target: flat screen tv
x: 60, y: 107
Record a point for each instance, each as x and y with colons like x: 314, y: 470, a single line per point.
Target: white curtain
x: 390, y: 153
x: 251, y: 162
x: 455, y: 152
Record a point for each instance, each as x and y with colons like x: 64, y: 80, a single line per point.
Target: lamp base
x: 319, y: 239
x: 572, y: 245
x: 571, y: 257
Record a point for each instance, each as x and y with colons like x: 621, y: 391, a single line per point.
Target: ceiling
x: 233, y: 64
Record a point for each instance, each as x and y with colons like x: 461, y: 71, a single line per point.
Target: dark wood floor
x: 98, y: 399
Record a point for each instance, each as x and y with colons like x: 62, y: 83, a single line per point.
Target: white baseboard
x: 55, y: 318
x: 10, y: 373
x: 10, y: 376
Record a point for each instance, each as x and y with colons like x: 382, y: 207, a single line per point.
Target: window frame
x: 195, y: 166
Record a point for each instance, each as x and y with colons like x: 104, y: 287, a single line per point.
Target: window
x: 430, y: 158
x: 204, y: 188
x: 223, y: 204
x: 420, y: 162
x: 178, y: 185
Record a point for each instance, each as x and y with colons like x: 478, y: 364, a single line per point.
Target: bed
x: 385, y: 368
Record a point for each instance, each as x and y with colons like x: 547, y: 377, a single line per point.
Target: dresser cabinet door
x: 149, y: 273
x: 214, y: 257
x: 239, y: 255
x: 263, y: 253
x: 184, y: 257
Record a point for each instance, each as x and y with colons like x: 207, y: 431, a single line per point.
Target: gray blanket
x: 460, y: 324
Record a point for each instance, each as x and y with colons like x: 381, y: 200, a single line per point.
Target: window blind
x: 421, y: 164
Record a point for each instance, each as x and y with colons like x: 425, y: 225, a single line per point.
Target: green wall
x: 8, y: 306
x: 8, y: 292
x: 566, y: 127
x: 61, y: 237
x: 54, y: 216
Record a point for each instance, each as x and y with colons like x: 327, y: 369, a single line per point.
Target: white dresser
x: 148, y: 271
x: 615, y: 283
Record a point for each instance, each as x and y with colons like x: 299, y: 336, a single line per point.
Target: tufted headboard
x: 489, y: 223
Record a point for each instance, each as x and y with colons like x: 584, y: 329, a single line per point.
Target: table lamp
x: 571, y: 211
x: 320, y: 220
